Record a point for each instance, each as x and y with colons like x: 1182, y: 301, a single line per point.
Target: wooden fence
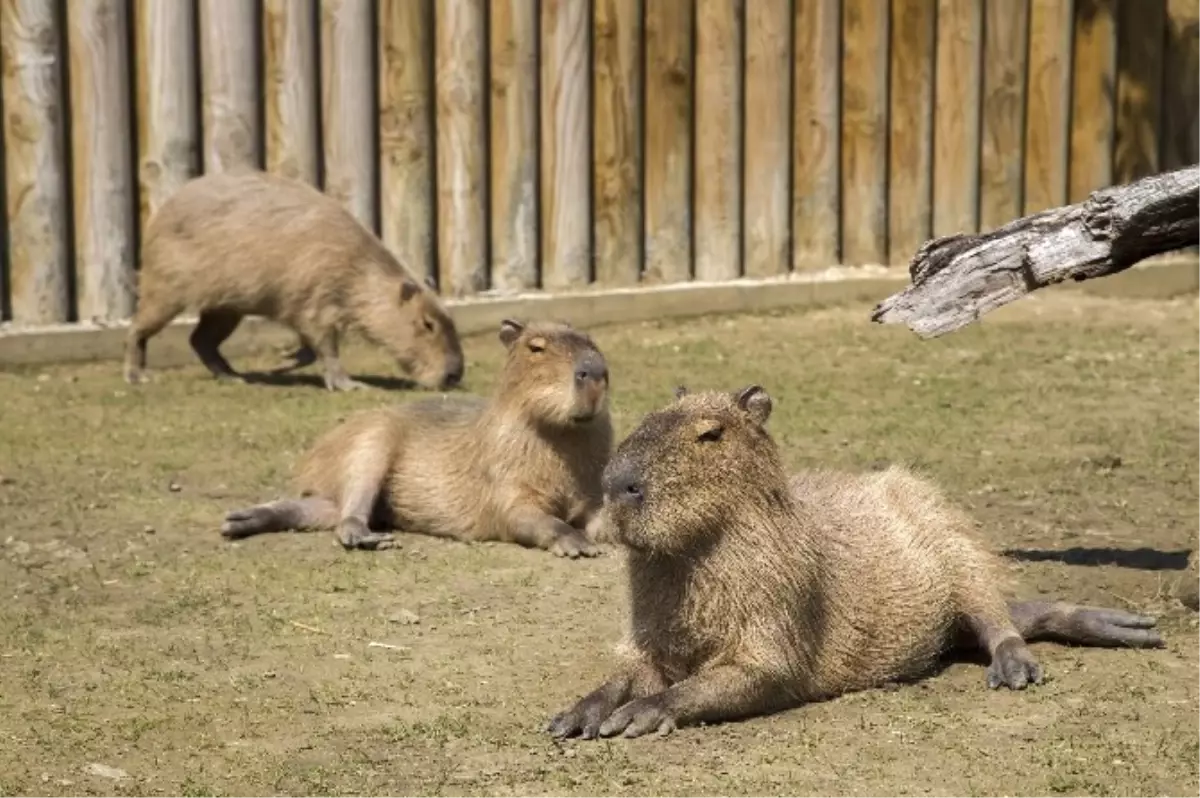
x: 517, y: 144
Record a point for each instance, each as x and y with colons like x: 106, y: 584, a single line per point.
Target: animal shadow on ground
x: 1145, y: 559
x: 288, y: 379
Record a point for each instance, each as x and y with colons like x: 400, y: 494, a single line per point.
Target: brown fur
x: 524, y: 467
x: 753, y: 592
x: 241, y: 243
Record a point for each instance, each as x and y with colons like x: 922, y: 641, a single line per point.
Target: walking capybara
x: 752, y: 592
x: 241, y: 243
x: 522, y: 467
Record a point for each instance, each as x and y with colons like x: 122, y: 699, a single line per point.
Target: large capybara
x: 752, y: 592
x: 522, y: 467
x: 241, y: 243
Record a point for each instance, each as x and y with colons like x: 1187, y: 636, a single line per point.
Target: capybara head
x: 410, y: 321
x: 554, y: 372
x: 683, y: 473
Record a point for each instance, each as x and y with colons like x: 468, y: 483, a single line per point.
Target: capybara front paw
x: 1013, y: 666
x: 638, y: 717
x: 573, y: 544
x: 136, y: 377
x: 354, y: 534
x: 582, y: 720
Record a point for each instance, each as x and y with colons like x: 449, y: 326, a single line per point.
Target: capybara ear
x: 510, y: 331
x: 681, y: 391
x: 756, y: 403
x: 408, y: 290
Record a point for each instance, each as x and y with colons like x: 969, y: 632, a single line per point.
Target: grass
x: 133, y: 636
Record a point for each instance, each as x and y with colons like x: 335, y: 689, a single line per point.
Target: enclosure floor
x: 132, y: 636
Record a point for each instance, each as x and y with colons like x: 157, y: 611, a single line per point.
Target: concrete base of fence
x: 1159, y: 279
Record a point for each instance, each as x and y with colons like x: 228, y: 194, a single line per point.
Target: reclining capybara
x: 522, y: 467
x: 752, y: 592
x: 241, y: 243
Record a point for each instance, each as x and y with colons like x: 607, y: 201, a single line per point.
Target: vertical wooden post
x: 617, y: 130
x: 816, y: 136
x: 1180, y: 142
x: 348, y: 105
x: 667, y: 148
x: 229, y: 65
x: 167, y: 102
x: 765, y: 219
x: 514, y: 153
x: 956, y: 118
x: 1047, y: 105
x: 461, y: 138
x: 1001, y: 167
x: 35, y: 166
x: 910, y: 146
x: 290, y: 89
x: 566, y: 155
x: 718, y: 139
x: 864, y: 131
x: 1093, y: 76
x: 1140, y: 28
x: 101, y: 158
x: 406, y: 132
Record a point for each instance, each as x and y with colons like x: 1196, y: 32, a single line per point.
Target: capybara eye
x: 711, y: 434
x: 537, y: 346
x: 428, y: 325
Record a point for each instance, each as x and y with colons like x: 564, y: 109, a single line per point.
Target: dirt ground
x: 142, y: 654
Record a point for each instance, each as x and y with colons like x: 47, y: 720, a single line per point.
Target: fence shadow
x: 1144, y: 559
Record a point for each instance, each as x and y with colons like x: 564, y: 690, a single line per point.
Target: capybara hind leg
x: 1088, y: 626
x: 336, y: 378
x: 718, y: 693
x: 279, y: 516
x: 213, y: 328
x: 147, y: 322
x: 1012, y: 663
x: 588, y: 713
x: 541, y: 531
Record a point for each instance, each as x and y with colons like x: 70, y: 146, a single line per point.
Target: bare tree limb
x: 957, y: 279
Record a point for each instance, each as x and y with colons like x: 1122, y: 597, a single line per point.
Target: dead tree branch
x: 957, y: 279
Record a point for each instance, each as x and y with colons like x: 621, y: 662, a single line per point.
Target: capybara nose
x: 590, y: 367
x: 453, y: 378
x: 623, y: 485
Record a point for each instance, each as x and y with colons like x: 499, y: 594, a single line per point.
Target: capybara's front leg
x: 336, y: 378
x: 366, y: 469
x: 718, y: 693
x: 535, y: 529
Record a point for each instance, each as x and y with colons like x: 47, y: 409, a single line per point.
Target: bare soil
x: 140, y: 653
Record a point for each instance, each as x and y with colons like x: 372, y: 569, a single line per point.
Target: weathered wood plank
x: 718, y: 139
x: 1001, y: 169
x: 348, y: 105
x: 910, y: 143
x: 959, y: 278
x: 667, y: 149
x: 101, y: 158
x: 864, y: 131
x: 1141, y: 27
x: 290, y: 90
x: 816, y: 137
x: 766, y: 225
x: 167, y: 102
x: 1047, y: 105
x: 616, y: 193
x: 461, y: 188
x: 1180, y: 143
x: 1093, y: 83
x: 514, y: 134
x: 956, y: 117
x: 566, y: 152
x: 229, y: 38
x: 406, y: 158
x: 35, y: 161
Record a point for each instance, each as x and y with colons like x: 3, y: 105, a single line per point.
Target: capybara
x: 522, y: 467
x: 233, y: 244
x: 752, y: 592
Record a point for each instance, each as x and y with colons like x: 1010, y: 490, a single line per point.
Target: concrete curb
x: 1161, y: 278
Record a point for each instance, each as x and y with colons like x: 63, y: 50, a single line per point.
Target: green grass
x: 133, y: 636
